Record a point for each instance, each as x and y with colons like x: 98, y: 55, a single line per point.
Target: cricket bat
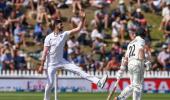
x: 112, y: 92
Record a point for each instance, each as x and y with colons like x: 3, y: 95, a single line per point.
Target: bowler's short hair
x: 57, y: 21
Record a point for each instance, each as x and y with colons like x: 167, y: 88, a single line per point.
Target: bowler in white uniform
x: 52, y: 56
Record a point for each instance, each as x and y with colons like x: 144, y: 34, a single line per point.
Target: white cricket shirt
x: 134, y: 47
x: 56, y: 47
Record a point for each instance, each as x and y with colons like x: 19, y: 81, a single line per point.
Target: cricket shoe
x: 116, y: 98
x: 102, y: 81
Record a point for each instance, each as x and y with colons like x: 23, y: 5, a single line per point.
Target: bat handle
x: 117, y: 82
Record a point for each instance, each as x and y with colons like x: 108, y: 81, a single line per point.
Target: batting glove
x: 148, y: 65
x: 119, y: 74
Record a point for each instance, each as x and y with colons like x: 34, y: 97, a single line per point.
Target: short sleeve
x: 67, y: 32
x: 65, y: 36
x: 47, y: 41
x: 143, y: 43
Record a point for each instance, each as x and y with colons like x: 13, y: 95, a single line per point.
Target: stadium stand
x: 109, y: 27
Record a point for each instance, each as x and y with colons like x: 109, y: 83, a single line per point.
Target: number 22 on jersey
x: 131, y: 50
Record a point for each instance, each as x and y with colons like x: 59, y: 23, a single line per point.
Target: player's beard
x: 60, y: 28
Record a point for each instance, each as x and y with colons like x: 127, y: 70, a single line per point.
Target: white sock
x: 88, y: 77
x: 94, y: 80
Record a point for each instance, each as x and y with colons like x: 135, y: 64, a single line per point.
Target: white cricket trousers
x: 51, y: 71
x: 136, y: 72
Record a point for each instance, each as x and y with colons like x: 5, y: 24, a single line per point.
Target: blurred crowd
x: 100, y: 44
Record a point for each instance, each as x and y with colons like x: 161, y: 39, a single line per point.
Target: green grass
x: 74, y: 96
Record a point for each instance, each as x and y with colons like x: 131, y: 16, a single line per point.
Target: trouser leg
x: 138, y: 83
x: 50, y: 76
x: 75, y: 69
x: 136, y: 77
x: 128, y: 91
